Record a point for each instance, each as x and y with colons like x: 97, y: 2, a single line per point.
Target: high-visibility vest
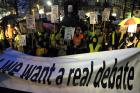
x: 98, y: 46
x: 113, y: 38
x: 1, y: 35
x: 52, y: 40
x: 122, y: 34
x: 138, y: 44
x: 39, y: 33
x: 17, y: 39
x: 40, y: 51
x: 91, y: 33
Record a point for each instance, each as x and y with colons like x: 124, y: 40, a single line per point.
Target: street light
x: 49, y: 3
x: 41, y: 11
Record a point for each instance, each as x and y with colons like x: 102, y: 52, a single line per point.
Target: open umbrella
x: 130, y: 21
x: 47, y: 25
x: 116, y: 22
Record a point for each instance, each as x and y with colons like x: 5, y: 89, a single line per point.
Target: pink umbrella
x: 47, y: 25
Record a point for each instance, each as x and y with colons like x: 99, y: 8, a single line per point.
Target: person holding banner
x: 138, y: 44
x: 52, y: 42
x: 123, y: 38
x: 114, y: 39
x: 77, y: 40
x: 132, y: 42
x: 19, y: 42
x: 10, y: 34
x: 61, y: 47
x: 94, y: 45
x: 41, y: 49
x: 16, y: 42
x: 1, y: 39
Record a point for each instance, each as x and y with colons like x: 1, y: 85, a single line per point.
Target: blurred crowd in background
x: 49, y: 39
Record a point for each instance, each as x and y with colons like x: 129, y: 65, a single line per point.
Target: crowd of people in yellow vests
x: 51, y: 42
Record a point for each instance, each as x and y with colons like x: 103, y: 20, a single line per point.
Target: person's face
x: 94, y: 40
x: 78, y: 30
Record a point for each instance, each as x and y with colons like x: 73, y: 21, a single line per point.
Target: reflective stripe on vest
x: 122, y: 34
x: 138, y: 45
x: 52, y: 40
x: 98, y: 46
x: 1, y: 36
x: 113, y: 38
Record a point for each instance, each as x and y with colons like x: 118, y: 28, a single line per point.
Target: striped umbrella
x: 130, y: 21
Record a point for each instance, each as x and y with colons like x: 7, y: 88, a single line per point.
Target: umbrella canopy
x: 47, y: 25
x: 130, y: 21
x: 116, y: 22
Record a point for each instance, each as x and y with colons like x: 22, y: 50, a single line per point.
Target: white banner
x: 100, y: 72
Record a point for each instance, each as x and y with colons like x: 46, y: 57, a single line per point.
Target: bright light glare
x: 8, y: 13
x: 49, y: 3
x: 114, y: 14
x: 88, y: 14
x: 41, y: 11
x: 61, y: 18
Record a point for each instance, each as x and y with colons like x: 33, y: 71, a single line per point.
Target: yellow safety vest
x: 39, y: 33
x: 122, y: 34
x: 17, y: 39
x: 138, y: 45
x: 98, y: 46
x: 113, y: 38
x: 1, y: 35
x: 40, y: 51
x: 52, y: 40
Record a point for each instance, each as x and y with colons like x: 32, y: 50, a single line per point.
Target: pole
x: 30, y: 6
x: 59, y: 9
x: 16, y: 8
x: 104, y: 3
x: 124, y: 9
x: 139, y: 4
x: 93, y: 28
x: 133, y: 7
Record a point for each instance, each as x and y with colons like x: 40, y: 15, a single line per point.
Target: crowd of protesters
x: 50, y: 42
